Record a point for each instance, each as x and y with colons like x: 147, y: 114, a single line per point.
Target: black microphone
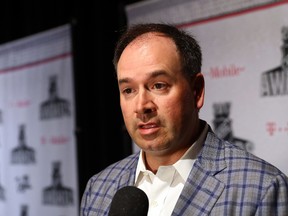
x: 129, y: 201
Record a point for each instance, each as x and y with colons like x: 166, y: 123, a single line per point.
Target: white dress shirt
x: 163, y: 188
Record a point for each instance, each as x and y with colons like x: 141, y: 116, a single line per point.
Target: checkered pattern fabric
x: 225, y: 180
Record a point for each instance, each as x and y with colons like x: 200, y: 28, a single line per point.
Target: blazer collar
x: 202, y: 189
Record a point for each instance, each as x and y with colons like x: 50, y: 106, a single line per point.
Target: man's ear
x: 199, y: 90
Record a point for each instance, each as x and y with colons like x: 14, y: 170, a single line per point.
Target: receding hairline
x: 147, y: 36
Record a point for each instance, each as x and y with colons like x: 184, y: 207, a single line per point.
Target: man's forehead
x: 147, y: 37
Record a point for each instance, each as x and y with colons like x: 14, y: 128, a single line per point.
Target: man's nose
x: 145, y: 103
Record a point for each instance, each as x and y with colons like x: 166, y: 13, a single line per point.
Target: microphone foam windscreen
x: 129, y: 201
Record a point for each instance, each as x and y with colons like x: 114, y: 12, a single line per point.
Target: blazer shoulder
x: 118, y: 168
x: 231, y: 158
x: 252, y: 165
x: 102, y: 186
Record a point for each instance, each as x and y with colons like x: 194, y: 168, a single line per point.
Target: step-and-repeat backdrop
x: 38, y: 173
x: 245, y: 64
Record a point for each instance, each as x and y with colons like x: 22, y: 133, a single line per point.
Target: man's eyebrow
x: 124, y: 80
x: 151, y: 75
x: 158, y: 73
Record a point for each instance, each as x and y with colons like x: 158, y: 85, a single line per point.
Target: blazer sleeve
x: 275, y: 199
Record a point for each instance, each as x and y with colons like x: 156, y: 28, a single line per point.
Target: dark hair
x: 187, y: 46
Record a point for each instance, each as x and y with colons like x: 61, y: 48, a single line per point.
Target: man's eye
x: 127, y: 91
x: 159, y: 86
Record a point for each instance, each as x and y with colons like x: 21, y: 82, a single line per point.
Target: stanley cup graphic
x: 57, y: 194
x: 223, y: 126
x: 54, y: 107
x: 274, y: 82
x: 22, y: 154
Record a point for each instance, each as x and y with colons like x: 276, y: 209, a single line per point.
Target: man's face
x: 159, y: 105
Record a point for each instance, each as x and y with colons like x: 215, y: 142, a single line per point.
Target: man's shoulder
x: 124, y: 166
x: 237, y: 158
x: 127, y: 163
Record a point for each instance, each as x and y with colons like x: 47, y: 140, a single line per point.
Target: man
x: 183, y: 167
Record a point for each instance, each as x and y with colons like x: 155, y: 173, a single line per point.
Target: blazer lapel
x: 202, y: 189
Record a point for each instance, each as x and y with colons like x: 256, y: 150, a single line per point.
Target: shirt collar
x: 185, y: 163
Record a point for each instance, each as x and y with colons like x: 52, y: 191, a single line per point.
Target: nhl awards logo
x: 22, y: 154
x: 57, y: 193
x: 221, y: 122
x: 23, y: 183
x: 223, y: 126
x: 54, y: 106
x: 274, y: 82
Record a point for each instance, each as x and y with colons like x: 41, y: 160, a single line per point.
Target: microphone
x: 129, y: 201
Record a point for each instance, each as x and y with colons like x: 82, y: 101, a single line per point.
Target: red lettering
x: 232, y: 70
x: 21, y: 103
x: 271, y: 128
x: 59, y: 140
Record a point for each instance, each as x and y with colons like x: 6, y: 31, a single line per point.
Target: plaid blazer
x: 224, y: 180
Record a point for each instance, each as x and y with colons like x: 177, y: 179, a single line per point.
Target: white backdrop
x: 245, y: 55
x: 37, y: 144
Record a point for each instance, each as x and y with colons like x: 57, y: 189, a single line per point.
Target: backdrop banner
x: 245, y: 65
x: 38, y: 167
